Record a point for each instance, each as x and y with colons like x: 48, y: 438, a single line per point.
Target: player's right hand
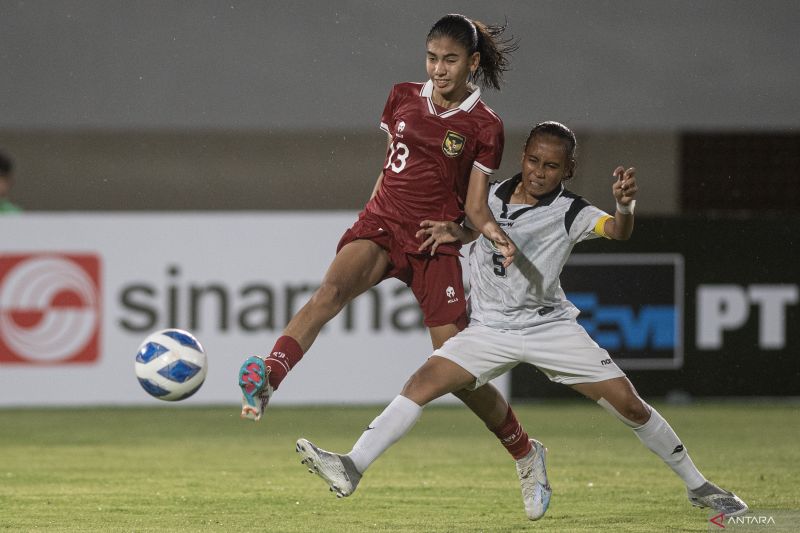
x: 504, y: 245
x: 436, y: 232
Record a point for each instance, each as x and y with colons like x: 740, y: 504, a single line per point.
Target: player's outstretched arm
x: 480, y: 216
x: 624, y: 190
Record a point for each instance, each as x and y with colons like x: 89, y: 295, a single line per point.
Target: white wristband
x: 626, y: 209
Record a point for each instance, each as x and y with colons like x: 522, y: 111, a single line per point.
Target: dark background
x: 738, y: 251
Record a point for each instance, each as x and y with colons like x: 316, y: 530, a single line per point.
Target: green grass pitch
x: 182, y: 468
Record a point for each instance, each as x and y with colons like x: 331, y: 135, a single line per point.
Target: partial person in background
x: 520, y: 314
x: 444, y: 143
x: 6, y: 182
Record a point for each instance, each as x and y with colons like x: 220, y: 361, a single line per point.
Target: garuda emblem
x: 453, y: 144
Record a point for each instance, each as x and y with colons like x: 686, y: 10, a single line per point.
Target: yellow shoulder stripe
x: 600, y: 227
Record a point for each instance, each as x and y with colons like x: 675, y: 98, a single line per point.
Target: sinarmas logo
x: 49, y: 308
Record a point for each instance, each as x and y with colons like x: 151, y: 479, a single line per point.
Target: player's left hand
x: 624, y: 188
x: 436, y: 232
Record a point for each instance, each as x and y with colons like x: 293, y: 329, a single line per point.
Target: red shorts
x: 436, y: 281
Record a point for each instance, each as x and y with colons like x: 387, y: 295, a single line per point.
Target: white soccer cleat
x: 338, y: 471
x: 720, y: 500
x: 536, y: 489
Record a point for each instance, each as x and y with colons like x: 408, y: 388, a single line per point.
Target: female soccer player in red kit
x: 444, y: 144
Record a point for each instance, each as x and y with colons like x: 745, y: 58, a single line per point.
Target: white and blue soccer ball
x: 171, y: 364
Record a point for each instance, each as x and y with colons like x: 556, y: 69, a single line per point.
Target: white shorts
x: 561, y: 349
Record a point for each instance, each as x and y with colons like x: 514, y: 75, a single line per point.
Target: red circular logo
x: 49, y: 308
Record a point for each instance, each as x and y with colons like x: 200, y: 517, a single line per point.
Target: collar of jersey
x: 506, y: 189
x: 467, y: 105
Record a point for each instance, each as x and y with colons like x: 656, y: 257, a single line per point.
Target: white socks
x: 400, y: 416
x: 660, y: 438
x: 387, y: 428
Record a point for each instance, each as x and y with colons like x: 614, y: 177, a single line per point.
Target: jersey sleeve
x: 388, y: 111
x: 489, y: 150
x: 587, y: 223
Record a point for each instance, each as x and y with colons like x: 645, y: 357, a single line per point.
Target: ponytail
x: 495, y: 54
x: 476, y: 36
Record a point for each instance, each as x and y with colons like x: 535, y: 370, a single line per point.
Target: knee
x: 330, y: 295
x: 418, y: 390
x: 464, y: 395
x: 635, y: 410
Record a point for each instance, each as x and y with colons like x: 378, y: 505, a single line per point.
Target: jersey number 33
x: 398, y: 154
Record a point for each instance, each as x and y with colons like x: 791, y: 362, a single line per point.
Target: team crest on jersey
x: 453, y: 144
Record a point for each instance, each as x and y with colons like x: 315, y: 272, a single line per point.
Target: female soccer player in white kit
x: 520, y: 314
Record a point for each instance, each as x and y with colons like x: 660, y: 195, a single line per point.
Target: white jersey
x: 529, y: 292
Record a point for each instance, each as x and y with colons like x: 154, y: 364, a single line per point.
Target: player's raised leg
x: 358, y: 266
x: 619, y: 397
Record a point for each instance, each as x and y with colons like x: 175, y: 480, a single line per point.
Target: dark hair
x: 475, y: 36
x: 557, y: 129
x: 6, y: 166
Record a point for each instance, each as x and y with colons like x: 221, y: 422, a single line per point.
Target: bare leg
x: 358, y: 266
x: 486, y: 401
x: 435, y: 378
x: 440, y: 334
x: 620, y: 393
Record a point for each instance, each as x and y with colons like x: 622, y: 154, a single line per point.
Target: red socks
x: 512, y: 436
x: 285, y: 354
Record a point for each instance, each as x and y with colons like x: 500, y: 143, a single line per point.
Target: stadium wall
x: 710, y: 307
x: 79, y: 293
x: 110, y: 170
x: 691, y: 306
x: 314, y: 64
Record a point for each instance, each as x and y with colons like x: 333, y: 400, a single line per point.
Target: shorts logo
x: 49, y: 308
x: 453, y: 144
x: 451, y: 295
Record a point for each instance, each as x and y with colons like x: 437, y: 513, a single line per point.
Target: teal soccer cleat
x: 256, y: 390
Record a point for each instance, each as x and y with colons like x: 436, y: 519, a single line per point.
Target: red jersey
x: 432, y: 152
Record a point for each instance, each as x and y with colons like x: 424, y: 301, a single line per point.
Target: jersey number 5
x: 398, y: 153
x: 499, y: 269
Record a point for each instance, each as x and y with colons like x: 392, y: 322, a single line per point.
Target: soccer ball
x: 171, y: 365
